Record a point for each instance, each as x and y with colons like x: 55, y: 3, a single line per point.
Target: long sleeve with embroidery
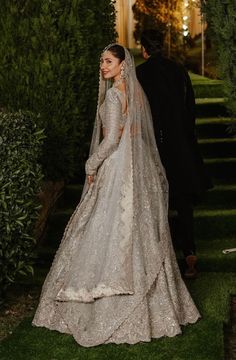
x: 111, y: 118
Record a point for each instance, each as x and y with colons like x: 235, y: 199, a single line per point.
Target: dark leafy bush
x: 221, y: 19
x: 49, y: 57
x: 20, y: 179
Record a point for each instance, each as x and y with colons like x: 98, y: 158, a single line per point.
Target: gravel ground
x: 18, y: 305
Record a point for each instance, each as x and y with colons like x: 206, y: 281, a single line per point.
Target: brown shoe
x: 191, y: 271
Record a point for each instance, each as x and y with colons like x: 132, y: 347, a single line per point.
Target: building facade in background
x: 125, y: 22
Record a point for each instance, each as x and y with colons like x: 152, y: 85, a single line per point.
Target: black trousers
x: 182, y: 225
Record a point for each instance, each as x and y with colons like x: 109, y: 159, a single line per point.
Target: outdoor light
x: 185, y: 18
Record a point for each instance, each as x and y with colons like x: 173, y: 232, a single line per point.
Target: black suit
x: 170, y: 94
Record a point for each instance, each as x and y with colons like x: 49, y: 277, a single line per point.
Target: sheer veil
x: 143, y: 150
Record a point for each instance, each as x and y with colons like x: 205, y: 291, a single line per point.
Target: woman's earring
x: 122, y: 71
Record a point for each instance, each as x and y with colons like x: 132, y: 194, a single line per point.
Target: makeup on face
x: 110, y: 66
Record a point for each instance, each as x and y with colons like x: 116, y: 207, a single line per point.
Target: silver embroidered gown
x: 115, y: 277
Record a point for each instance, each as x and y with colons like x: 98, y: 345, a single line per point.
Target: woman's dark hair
x: 152, y: 40
x: 118, y: 51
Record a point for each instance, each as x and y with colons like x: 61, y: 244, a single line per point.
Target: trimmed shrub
x: 220, y: 16
x: 49, y: 58
x: 20, y: 179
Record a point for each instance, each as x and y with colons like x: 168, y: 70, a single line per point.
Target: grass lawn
x: 201, y: 341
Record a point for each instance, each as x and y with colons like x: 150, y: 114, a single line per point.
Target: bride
x: 115, y: 277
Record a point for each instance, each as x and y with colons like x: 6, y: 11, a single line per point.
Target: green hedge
x: 220, y: 16
x: 20, y: 179
x: 49, y: 58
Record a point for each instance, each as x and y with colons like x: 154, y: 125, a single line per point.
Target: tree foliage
x: 159, y: 14
x: 49, y: 57
x: 221, y: 19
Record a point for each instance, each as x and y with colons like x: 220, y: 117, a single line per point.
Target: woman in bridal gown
x: 115, y: 277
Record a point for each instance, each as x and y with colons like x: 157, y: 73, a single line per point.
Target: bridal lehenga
x: 115, y: 277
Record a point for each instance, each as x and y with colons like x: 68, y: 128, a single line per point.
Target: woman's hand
x: 90, y: 179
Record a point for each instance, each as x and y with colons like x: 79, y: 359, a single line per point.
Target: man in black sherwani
x: 170, y: 94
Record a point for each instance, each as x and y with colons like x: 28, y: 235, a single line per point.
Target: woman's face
x: 110, y: 66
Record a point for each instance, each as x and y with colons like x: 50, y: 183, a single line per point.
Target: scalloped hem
x: 89, y: 296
